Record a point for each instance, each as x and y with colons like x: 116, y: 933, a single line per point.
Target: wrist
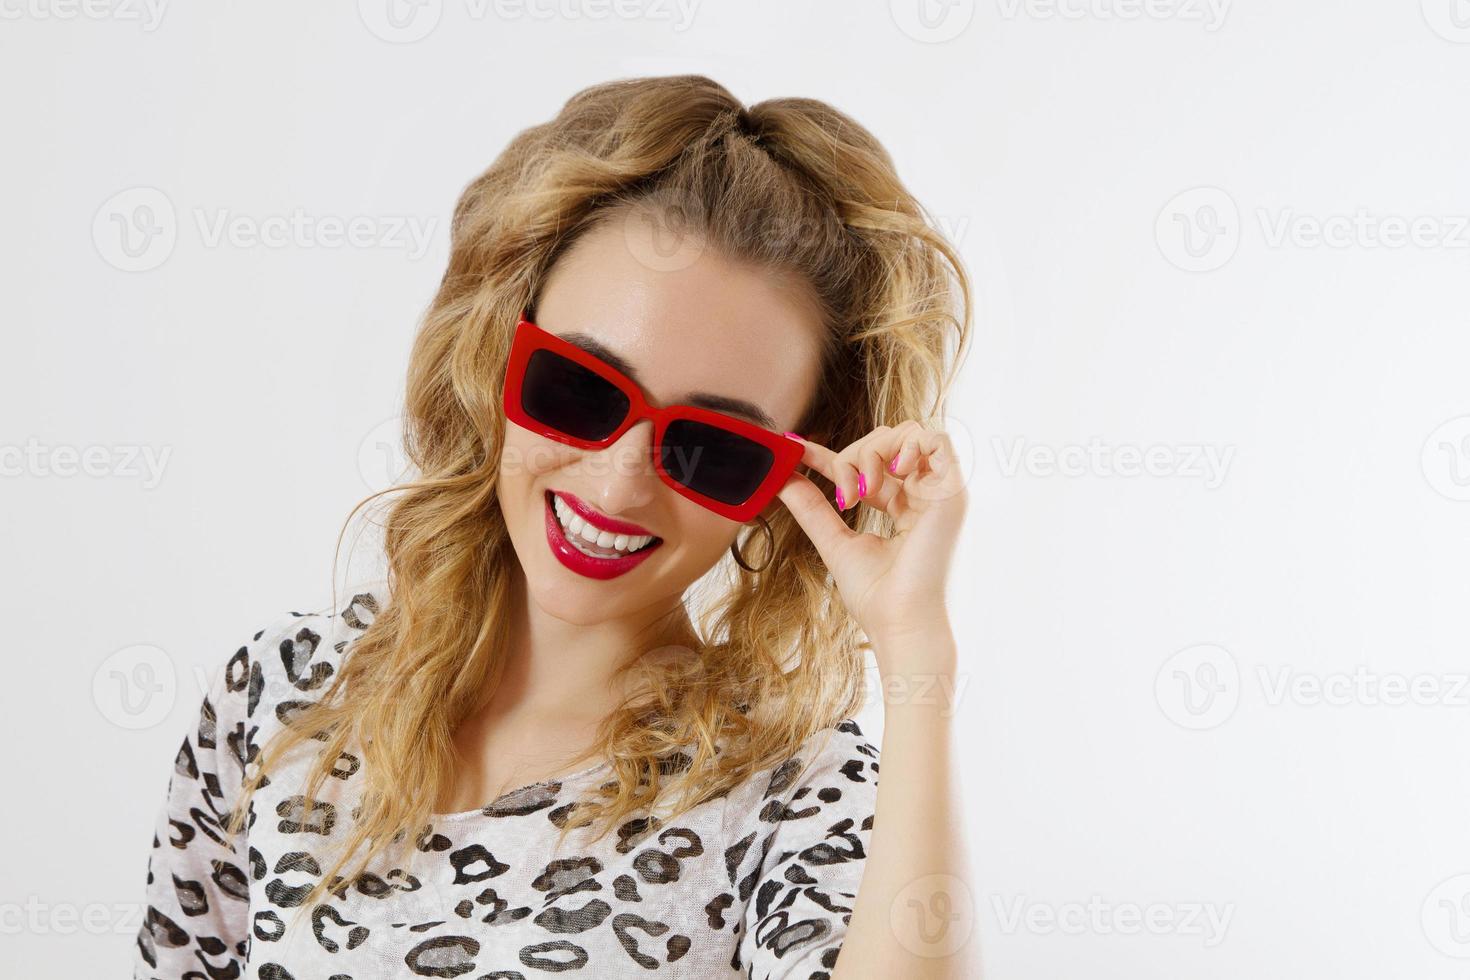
x: 929, y: 649
x: 923, y: 627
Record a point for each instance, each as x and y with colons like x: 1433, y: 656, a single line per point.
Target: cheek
x: 703, y: 535
x: 526, y: 456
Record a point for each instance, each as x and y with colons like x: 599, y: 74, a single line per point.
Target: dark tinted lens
x: 566, y: 396
x: 713, y: 461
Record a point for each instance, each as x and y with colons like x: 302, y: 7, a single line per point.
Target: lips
x: 591, y: 566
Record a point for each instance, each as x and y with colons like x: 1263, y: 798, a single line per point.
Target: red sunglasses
x: 558, y: 390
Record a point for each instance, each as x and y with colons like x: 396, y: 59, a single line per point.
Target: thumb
x: 817, y: 518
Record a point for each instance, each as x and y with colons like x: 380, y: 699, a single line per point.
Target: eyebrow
x: 700, y: 399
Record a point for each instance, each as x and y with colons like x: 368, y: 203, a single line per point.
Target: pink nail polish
x: 793, y: 435
x: 841, y: 505
x: 862, y: 485
x: 893, y: 466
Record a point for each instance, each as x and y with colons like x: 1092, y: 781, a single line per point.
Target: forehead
x: 701, y: 324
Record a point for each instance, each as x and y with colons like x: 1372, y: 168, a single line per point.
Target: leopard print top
x: 758, y: 883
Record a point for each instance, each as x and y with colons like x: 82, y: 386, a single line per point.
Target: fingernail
x: 841, y: 505
x: 862, y: 485
x: 793, y: 435
x: 893, y: 466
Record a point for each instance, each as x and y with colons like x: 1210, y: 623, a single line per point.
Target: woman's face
x: 692, y: 325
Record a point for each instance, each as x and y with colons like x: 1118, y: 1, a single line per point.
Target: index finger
x: 853, y: 480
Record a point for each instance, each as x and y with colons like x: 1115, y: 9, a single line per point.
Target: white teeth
x: 574, y: 526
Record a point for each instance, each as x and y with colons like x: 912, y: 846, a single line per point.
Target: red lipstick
x: 589, y: 565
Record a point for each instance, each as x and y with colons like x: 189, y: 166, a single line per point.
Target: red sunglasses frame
x: 530, y: 338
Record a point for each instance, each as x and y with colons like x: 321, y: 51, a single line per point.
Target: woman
x: 647, y: 299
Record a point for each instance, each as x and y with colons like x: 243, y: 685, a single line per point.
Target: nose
x: 625, y: 479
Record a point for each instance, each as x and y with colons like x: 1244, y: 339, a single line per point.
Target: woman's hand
x: 893, y: 585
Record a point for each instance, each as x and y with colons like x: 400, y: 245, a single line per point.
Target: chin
x: 567, y: 598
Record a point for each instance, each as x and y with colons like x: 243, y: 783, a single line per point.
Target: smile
x: 593, y: 545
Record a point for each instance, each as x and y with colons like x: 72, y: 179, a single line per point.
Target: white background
x: 1128, y: 741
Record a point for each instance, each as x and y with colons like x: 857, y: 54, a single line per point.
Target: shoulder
x: 840, y: 755
x: 833, y: 774
x: 292, y: 659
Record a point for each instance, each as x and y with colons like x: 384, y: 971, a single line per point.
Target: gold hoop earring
x: 736, y: 549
